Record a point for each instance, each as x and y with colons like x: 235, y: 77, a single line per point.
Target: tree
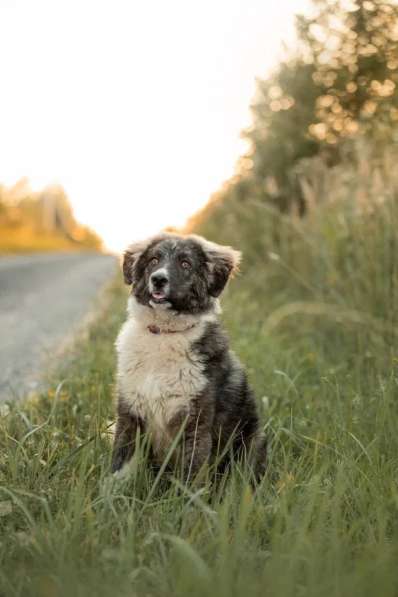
x: 353, y: 45
x: 282, y: 113
x: 342, y: 80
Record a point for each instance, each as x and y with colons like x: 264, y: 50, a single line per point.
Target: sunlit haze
x: 134, y: 107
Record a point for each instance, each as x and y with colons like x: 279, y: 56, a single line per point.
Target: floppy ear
x: 130, y: 258
x: 134, y: 252
x: 222, y: 262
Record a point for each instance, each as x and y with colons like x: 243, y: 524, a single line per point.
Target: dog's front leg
x: 127, y: 427
x: 197, y: 451
x: 197, y: 445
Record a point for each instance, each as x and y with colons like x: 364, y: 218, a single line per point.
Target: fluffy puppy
x: 175, y: 370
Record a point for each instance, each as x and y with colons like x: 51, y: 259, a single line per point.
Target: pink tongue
x: 158, y: 295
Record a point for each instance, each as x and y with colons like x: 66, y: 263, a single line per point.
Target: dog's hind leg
x: 258, y: 457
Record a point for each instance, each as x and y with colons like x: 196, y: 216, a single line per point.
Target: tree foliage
x: 41, y: 220
x: 341, y: 82
x: 354, y: 49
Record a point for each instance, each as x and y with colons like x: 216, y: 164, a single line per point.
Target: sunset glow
x: 134, y: 107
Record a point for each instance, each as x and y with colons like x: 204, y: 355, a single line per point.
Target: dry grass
x: 25, y: 239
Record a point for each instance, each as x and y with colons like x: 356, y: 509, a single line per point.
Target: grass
x: 313, y: 316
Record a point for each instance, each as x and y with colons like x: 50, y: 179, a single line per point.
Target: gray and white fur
x: 175, y: 370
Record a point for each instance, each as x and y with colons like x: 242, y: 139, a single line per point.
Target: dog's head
x: 182, y: 273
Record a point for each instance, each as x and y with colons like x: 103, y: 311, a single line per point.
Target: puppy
x: 175, y: 372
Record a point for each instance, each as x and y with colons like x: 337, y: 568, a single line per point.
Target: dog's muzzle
x: 159, y: 286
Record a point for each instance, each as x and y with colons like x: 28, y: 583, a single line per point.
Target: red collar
x: 155, y: 329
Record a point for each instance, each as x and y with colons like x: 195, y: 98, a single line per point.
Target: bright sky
x: 135, y: 107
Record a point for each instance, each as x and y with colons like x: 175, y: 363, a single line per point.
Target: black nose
x: 159, y: 279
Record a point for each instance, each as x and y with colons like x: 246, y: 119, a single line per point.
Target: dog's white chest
x: 158, y: 374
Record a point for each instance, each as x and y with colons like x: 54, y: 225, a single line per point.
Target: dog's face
x: 177, y: 272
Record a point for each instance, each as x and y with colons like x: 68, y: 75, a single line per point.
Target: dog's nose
x: 159, y: 279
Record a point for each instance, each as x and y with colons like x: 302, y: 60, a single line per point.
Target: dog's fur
x: 175, y: 369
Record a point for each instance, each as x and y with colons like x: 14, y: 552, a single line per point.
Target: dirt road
x: 43, y: 298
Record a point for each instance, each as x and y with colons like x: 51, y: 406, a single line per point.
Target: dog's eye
x: 154, y: 261
x: 185, y: 264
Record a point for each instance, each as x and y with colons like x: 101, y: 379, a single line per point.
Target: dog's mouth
x: 158, y: 296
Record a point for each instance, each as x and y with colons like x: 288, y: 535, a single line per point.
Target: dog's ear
x: 222, y: 263
x: 133, y: 253
x: 131, y: 257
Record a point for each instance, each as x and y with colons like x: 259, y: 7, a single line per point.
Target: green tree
x: 342, y: 80
x: 282, y: 112
x: 353, y: 46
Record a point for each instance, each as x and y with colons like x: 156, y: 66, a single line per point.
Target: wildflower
x: 4, y: 410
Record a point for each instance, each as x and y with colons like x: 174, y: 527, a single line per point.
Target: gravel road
x: 43, y: 299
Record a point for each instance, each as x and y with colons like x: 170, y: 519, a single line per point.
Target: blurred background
x: 126, y: 117
x: 130, y: 115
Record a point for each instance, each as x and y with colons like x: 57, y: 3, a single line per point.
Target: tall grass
x: 313, y: 316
